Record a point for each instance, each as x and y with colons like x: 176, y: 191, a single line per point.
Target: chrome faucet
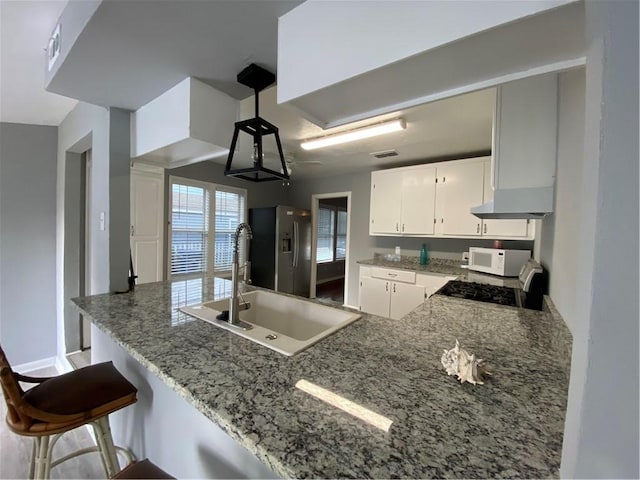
x: 234, y: 305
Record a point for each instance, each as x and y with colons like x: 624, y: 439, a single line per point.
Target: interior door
x: 147, y: 203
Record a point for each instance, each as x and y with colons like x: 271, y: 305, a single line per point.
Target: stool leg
x: 42, y: 458
x: 34, y: 453
x: 105, y: 443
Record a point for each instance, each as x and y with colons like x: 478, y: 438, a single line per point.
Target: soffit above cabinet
x: 189, y: 123
x: 547, y: 36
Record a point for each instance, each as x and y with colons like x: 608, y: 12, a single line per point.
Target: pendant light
x: 258, y: 79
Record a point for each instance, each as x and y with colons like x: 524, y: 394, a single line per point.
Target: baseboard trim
x: 330, y: 279
x: 37, y: 365
x: 63, y: 365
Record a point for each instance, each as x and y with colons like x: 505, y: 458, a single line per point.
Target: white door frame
x: 88, y: 222
x: 315, y: 201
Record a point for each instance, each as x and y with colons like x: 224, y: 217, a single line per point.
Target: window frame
x: 211, y: 189
x: 334, y: 239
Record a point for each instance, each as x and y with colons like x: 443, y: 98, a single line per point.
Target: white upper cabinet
x: 436, y: 199
x: 386, y: 201
x: 518, y: 228
x: 525, y: 133
x: 402, y: 201
x: 460, y: 186
x: 418, y: 200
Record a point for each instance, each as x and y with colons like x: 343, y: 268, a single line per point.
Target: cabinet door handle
x: 132, y: 231
x: 393, y: 275
x: 478, y: 228
x: 394, y: 288
x: 403, y: 227
x: 485, y: 228
x: 386, y: 286
x: 396, y: 227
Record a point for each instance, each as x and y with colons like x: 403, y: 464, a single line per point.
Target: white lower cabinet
x: 394, y: 293
x: 432, y: 283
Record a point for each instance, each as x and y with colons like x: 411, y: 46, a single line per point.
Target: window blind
x: 341, y: 235
x: 189, y: 229
x: 229, y: 213
x: 324, y: 246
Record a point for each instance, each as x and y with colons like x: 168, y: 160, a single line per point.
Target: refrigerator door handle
x: 295, y: 244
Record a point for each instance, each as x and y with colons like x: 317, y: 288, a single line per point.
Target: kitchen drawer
x: 404, y: 276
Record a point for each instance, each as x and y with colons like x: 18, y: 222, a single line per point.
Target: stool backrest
x: 12, y: 392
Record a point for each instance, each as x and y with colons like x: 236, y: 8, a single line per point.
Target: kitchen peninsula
x: 511, y: 426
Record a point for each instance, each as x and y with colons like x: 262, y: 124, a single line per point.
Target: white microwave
x: 506, y: 263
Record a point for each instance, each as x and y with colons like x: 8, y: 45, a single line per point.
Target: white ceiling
x: 157, y: 44
x: 25, y: 26
x: 452, y: 128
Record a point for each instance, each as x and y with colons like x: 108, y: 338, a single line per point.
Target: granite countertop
x: 511, y: 426
x: 440, y: 266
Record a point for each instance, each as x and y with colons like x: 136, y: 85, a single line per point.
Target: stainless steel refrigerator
x: 280, y: 251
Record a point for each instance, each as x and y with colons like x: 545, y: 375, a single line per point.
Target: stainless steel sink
x: 285, y: 324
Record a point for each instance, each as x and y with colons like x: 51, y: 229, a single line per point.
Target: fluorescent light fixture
x: 352, y: 408
x: 356, y: 134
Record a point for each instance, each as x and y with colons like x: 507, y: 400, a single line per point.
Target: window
x: 189, y: 229
x: 332, y: 234
x: 341, y: 236
x: 326, y: 225
x: 202, y: 243
x: 230, y: 212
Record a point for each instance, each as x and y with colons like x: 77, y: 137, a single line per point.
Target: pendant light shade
x: 258, y: 79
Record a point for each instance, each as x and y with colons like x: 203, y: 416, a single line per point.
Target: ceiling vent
x: 385, y: 154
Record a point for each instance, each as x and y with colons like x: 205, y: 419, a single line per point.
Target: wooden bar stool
x: 59, y: 404
x: 143, y: 469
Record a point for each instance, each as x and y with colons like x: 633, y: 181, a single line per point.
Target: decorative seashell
x: 465, y: 366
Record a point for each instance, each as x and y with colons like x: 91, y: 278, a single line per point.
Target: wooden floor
x: 15, y: 450
x: 331, y: 291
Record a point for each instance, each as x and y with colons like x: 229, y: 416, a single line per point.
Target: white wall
x: 162, y: 426
x: 601, y: 428
x: 107, y: 134
x: 27, y: 242
x: 361, y: 243
x: 560, y: 233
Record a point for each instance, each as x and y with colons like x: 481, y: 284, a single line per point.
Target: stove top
x: 481, y: 292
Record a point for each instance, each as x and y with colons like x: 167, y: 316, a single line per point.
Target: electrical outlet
x: 465, y: 256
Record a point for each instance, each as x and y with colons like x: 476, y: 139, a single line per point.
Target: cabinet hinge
x: 436, y: 179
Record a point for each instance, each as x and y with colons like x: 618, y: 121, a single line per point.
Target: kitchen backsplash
x: 448, y: 248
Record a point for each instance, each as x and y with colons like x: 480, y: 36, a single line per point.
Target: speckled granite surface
x: 510, y: 427
x: 442, y: 267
